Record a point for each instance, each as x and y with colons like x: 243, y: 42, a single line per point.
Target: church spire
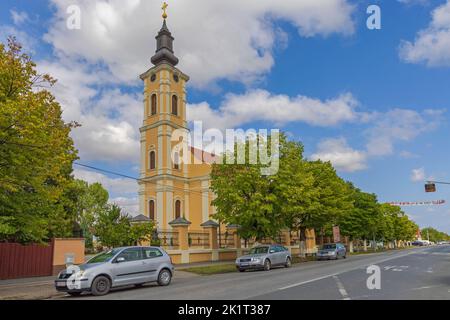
x: 164, y: 44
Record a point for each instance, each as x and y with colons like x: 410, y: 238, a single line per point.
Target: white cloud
x: 418, y: 175
x: 129, y: 205
x: 215, y: 39
x: 399, y: 125
x: 28, y: 43
x: 261, y: 105
x: 122, y: 186
x: 432, y: 45
x: 19, y: 17
x: 123, y: 190
x: 109, y: 118
x: 341, y: 155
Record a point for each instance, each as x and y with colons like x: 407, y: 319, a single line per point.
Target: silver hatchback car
x: 332, y: 251
x: 264, y: 257
x: 117, y: 267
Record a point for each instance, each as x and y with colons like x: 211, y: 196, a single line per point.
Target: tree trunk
x: 302, y: 248
x: 350, y: 246
x: 365, y: 245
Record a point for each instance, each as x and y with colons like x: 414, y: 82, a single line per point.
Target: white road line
x: 341, y: 288
x: 427, y: 287
x: 365, y: 264
x: 308, y: 281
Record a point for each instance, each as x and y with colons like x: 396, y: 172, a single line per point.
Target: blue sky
x: 374, y: 102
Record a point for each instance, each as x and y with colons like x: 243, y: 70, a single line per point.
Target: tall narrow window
x: 177, y: 209
x: 151, y: 209
x: 153, y: 111
x: 176, y: 161
x: 175, y: 105
x: 152, y: 160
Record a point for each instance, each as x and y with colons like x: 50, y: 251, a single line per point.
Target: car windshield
x: 104, y: 256
x: 329, y: 246
x: 259, y: 250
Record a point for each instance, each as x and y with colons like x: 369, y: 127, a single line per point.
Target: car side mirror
x: 272, y: 251
x: 120, y: 259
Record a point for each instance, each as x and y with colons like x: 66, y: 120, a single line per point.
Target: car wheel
x: 267, y: 265
x: 345, y: 256
x: 100, y: 286
x: 164, y: 277
x: 288, y: 263
x: 241, y: 270
x: 74, y: 294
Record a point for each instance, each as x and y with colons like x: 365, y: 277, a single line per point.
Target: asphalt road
x: 420, y: 273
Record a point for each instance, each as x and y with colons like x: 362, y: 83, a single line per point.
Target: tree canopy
x: 36, y: 152
x: 301, y: 195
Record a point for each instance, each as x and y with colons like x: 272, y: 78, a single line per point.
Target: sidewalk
x: 28, y: 288
x: 43, y: 287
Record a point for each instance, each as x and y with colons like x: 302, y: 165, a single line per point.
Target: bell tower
x: 161, y: 195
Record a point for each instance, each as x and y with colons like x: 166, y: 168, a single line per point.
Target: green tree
x: 362, y: 221
x: 326, y: 199
x: 246, y: 198
x: 434, y: 235
x: 114, y: 229
x: 36, y: 152
x: 83, y: 202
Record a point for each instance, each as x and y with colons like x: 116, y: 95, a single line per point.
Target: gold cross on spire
x: 164, y: 7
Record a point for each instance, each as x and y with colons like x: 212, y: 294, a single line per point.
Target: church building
x: 169, y: 190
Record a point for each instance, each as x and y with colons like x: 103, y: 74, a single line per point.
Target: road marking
x: 341, y: 288
x: 392, y: 256
x: 426, y: 287
x: 307, y: 281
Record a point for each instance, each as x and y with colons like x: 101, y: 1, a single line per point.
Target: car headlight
x: 256, y: 259
x: 332, y: 253
x: 78, y: 274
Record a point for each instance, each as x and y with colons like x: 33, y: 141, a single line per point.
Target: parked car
x: 117, y: 267
x: 265, y: 257
x: 332, y: 251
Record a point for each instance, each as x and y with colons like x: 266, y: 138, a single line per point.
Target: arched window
x: 151, y: 209
x: 177, y: 209
x: 152, y: 160
x: 175, y: 105
x: 176, y: 161
x: 153, y: 111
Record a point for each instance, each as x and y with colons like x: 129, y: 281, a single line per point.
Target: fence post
x: 232, y: 228
x: 211, y: 227
x: 310, y: 241
x: 181, y: 226
x: 287, y: 237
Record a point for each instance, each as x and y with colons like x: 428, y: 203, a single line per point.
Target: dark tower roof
x: 164, y: 47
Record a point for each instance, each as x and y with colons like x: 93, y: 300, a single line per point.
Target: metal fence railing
x: 225, y: 240
x: 169, y: 239
x: 198, y: 239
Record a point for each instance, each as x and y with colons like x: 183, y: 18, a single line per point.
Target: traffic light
x: 430, y: 187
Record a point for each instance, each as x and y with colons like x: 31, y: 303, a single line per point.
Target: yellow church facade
x: 169, y: 190
x: 176, y: 194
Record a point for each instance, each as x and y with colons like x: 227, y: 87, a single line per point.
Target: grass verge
x: 213, y: 269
